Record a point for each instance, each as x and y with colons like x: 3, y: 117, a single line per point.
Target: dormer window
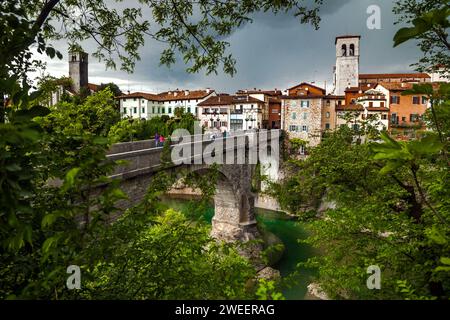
x: 344, y: 50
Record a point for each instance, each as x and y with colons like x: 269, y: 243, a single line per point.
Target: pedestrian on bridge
x: 156, y: 139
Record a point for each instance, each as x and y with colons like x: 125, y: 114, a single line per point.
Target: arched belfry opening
x: 344, y: 50
x: 352, y: 50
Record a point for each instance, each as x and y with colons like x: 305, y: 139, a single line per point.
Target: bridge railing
x: 144, y: 157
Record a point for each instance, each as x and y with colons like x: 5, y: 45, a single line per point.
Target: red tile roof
x: 305, y: 97
x: 148, y: 96
x: 351, y: 107
x: 310, y: 85
x: 378, y: 109
x: 225, y: 100
x: 266, y: 92
x: 393, y: 75
x: 184, y: 95
x: 362, y: 87
x: 93, y: 87
x: 170, y: 95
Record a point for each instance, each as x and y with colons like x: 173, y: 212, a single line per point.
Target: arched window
x: 344, y: 50
x: 352, y: 50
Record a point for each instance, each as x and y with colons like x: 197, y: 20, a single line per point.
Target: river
x: 288, y: 231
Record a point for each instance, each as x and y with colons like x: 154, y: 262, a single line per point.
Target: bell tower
x: 346, y: 72
x: 78, y: 69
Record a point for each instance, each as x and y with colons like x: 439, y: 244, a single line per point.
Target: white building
x: 231, y: 113
x: 375, y: 107
x: 140, y: 105
x: 346, y: 72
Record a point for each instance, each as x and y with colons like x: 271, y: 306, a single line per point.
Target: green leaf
x: 70, y: 178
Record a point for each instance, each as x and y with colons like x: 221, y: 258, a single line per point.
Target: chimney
x: 186, y: 92
x: 208, y: 90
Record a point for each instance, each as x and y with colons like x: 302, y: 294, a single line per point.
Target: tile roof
x: 393, y: 75
x: 184, y: 95
x: 170, y: 95
x: 378, y: 109
x: 305, y: 97
x: 362, y: 87
x: 148, y: 96
x: 93, y: 87
x: 351, y: 107
x: 308, y: 84
x: 225, y: 100
x: 266, y: 92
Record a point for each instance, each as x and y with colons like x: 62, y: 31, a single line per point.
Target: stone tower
x: 78, y: 69
x: 346, y: 72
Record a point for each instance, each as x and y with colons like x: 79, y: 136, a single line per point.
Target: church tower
x: 78, y: 69
x: 346, y: 73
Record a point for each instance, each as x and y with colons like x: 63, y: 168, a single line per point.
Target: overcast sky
x: 272, y: 52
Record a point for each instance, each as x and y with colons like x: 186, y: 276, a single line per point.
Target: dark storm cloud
x: 275, y: 51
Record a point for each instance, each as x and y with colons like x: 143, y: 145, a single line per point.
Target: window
x: 414, y: 117
x: 328, y: 103
x: 293, y: 128
x: 384, y: 117
x: 294, y: 115
x: 153, y: 109
x: 395, y: 99
x: 416, y: 100
x: 143, y: 101
x: 403, y: 119
x: 382, y: 104
x: 196, y: 110
x: 305, y: 128
x: 302, y: 150
x: 371, y: 104
x: 305, y: 104
x: 355, y: 127
x: 328, y: 115
x: 143, y: 110
x: 134, y: 99
x: 274, y: 111
x: 344, y: 50
x: 170, y: 109
x: 125, y: 110
x: 352, y: 50
x: 159, y: 110
x: 424, y: 100
x: 163, y: 110
x: 189, y: 109
x: 394, y: 118
x: 236, y: 124
x: 135, y: 110
x: 327, y: 126
x: 223, y: 124
x: 305, y: 116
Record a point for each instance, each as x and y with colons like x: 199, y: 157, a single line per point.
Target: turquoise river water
x: 289, y: 232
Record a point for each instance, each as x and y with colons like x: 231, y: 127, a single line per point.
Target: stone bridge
x: 237, y: 155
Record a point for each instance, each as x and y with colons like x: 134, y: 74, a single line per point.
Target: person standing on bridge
x: 161, y: 141
x: 156, y: 139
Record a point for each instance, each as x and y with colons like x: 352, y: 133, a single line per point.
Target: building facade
x: 139, y: 105
x: 232, y: 113
x: 301, y: 113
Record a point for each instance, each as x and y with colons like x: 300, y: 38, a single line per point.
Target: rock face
x: 269, y: 273
x: 315, y: 291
